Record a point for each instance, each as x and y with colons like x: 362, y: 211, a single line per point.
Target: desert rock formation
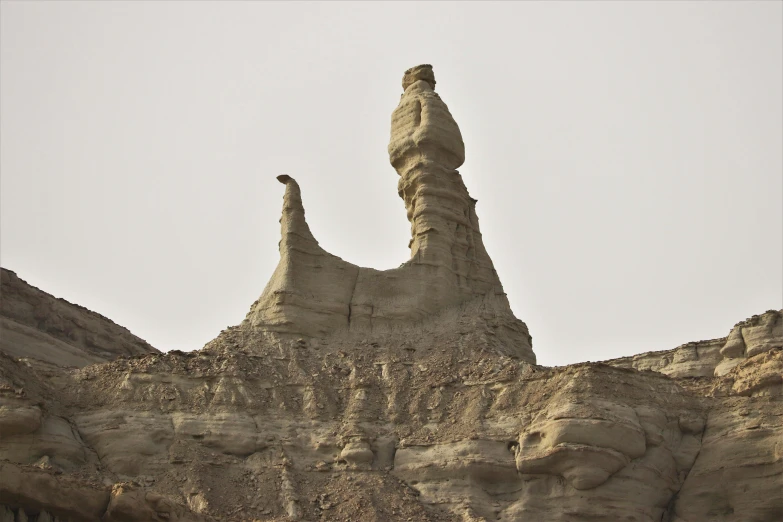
x: 314, y: 294
x: 409, y: 394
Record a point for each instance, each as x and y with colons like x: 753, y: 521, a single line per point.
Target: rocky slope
x: 409, y: 394
x: 37, y: 324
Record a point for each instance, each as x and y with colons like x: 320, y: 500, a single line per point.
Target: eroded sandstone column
x: 425, y: 149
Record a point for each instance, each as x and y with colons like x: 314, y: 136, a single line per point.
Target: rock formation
x: 315, y: 294
x: 408, y: 394
x: 716, y: 357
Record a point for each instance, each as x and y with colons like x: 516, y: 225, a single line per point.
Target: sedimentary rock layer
x: 716, y: 357
x: 247, y: 429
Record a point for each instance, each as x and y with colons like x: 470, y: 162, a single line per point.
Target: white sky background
x: 627, y: 156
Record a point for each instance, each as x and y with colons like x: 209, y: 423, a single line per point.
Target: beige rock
x: 55, y: 439
x: 230, y: 433
x: 585, y: 443
x: 725, y: 366
x: 129, y: 443
x: 735, y: 344
x: 18, y: 418
x: 408, y: 394
x: 36, y: 324
x: 472, y: 472
x: 738, y: 474
x: 694, y: 359
x: 34, y: 490
x: 132, y: 504
x: 358, y: 454
x: 616, y: 443
x: 759, y: 334
x: 758, y: 376
x: 763, y: 333
x: 313, y: 293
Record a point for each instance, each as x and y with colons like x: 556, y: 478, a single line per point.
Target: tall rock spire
x: 449, y: 276
x: 426, y: 148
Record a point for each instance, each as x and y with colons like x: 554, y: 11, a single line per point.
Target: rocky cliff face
x: 409, y: 394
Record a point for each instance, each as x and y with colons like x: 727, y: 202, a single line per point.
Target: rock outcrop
x: 407, y: 394
x: 716, y: 357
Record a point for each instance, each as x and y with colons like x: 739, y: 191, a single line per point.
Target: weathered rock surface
x: 315, y: 294
x: 36, y: 324
x: 716, y: 357
x: 290, y: 431
x: 408, y: 394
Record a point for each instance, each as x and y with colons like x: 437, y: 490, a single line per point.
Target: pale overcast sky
x: 626, y: 156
